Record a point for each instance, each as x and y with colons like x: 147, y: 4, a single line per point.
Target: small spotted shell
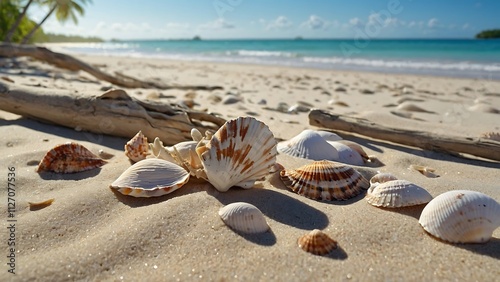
x: 317, y: 242
x: 244, y: 217
x: 151, y: 178
x: 397, y: 193
x: 69, y: 158
x: 325, y: 180
x: 461, y: 216
x: 137, y: 148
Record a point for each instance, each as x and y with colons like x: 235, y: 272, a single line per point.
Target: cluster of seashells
x: 244, y: 151
x: 458, y: 216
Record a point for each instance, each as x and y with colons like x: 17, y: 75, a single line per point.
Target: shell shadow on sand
x: 264, y: 239
x: 48, y: 175
x: 276, y: 206
x: 490, y: 248
x: 193, y: 186
x: 412, y: 211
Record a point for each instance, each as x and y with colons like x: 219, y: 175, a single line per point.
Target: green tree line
x: 486, y: 34
x: 17, y: 27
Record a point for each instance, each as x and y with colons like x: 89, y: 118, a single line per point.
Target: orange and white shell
x: 242, y: 151
x: 325, y: 180
x: 69, y: 158
x: 309, y: 145
x: 137, y: 148
x: 244, y: 217
x: 151, y: 178
x: 317, y: 242
x: 397, y: 193
x: 461, y: 216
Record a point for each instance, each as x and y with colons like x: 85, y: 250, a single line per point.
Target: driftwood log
x: 113, y: 113
x: 479, y: 147
x: 70, y: 63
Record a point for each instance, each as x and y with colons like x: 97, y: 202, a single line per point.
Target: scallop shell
x: 317, y: 242
x: 461, y: 216
x: 69, y: 158
x: 242, y: 151
x: 308, y: 145
x: 381, y: 177
x: 244, y: 217
x: 397, y: 193
x: 151, y: 178
x: 137, y: 148
x: 325, y: 180
x: 347, y: 154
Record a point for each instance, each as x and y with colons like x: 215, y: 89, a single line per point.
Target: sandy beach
x: 92, y: 233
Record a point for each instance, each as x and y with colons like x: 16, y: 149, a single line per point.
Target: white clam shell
x: 151, y: 178
x: 397, y: 193
x: 328, y: 136
x: 347, y: 154
x: 308, y: 145
x: 461, y: 216
x: 381, y: 177
x: 244, y: 217
x: 242, y: 151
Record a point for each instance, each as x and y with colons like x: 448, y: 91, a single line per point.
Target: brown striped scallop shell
x: 69, y: 158
x: 325, y: 180
x: 317, y: 242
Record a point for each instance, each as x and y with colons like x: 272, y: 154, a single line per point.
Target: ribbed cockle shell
x: 317, y: 242
x: 461, y: 216
x: 325, y: 180
x: 69, y: 158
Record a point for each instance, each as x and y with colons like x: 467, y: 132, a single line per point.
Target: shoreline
x: 464, y: 68
x: 92, y: 233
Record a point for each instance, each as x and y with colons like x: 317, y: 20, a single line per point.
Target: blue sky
x: 156, y: 19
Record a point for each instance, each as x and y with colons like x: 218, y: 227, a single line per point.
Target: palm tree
x: 64, y: 9
x: 14, y: 27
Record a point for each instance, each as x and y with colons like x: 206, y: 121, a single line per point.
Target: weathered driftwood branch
x: 113, y: 113
x: 484, y: 148
x: 70, y: 63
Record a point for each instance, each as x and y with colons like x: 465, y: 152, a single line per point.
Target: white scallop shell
x: 242, y: 151
x: 461, y: 216
x: 347, y: 155
x: 397, y: 193
x: 151, y: 178
x: 244, y: 217
x: 308, y: 145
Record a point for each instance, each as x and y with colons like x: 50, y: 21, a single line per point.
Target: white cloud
x: 432, y: 23
x: 465, y: 26
x: 315, y: 22
x: 219, y: 23
x: 280, y: 22
x: 356, y: 22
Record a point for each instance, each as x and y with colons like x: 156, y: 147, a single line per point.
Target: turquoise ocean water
x: 456, y: 58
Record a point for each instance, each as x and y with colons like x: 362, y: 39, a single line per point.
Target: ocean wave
x: 393, y: 64
x: 258, y: 53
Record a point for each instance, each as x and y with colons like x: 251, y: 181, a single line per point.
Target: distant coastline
x: 61, y: 38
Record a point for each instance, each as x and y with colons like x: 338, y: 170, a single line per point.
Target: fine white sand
x: 93, y: 233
